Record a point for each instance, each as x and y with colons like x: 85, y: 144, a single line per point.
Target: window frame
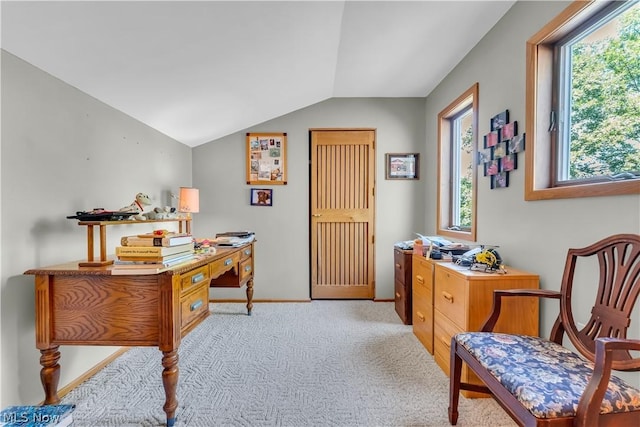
x: 444, y: 208
x: 539, y: 154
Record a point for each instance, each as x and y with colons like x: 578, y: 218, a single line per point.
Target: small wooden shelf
x: 184, y: 226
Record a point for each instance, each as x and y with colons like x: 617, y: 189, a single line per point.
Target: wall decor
x: 500, y: 180
x: 499, y: 156
x: 402, y: 165
x: 266, y: 158
x: 261, y: 197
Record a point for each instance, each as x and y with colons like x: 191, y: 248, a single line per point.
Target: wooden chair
x: 541, y: 383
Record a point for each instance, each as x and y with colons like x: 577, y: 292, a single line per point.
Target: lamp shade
x: 189, y: 200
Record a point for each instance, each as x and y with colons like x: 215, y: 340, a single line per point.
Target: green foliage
x: 605, y: 116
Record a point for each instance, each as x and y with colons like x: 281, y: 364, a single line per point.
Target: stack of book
x: 150, y: 253
x: 37, y: 416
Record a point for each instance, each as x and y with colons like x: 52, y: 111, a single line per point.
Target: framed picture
x: 500, y: 180
x: 261, y: 197
x: 402, y: 165
x: 266, y: 158
x: 491, y: 139
x: 499, y: 120
x: 508, y: 131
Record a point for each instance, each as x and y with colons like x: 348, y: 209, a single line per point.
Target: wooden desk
x: 89, y: 306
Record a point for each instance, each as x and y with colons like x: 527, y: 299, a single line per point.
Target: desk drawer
x: 194, y: 304
x: 219, y: 267
x: 449, y: 296
x: 246, y: 269
x: 192, y: 278
x: 246, y: 253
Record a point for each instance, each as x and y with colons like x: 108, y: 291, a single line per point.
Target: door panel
x: 342, y: 214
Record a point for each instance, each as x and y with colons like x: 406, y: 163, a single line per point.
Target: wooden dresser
x: 462, y: 301
x: 403, y: 279
x: 89, y: 306
x: 423, y: 300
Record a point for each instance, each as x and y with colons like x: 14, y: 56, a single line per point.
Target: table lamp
x: 189, y: 202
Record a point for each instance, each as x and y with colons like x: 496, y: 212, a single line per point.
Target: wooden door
x: 342, y: 214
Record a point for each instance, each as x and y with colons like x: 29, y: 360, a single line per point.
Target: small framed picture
x: 500, y: 150
x: 509, y: 162
x: 402, y: 165
x: 499, y: 120
x: 516, y: 144
x: 492, y: 168
x: 491, y: 139
x: 500, y: 180
x: 508, y: 131
x: 261, y: 197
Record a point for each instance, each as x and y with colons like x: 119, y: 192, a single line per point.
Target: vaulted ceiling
x: 200, y: 70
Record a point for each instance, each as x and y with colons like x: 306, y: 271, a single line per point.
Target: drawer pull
x: 420, y: 316
x: 247, y: 251
x: 228, y: 261
x: 419, y: 278
x: 447, y: 296
x: 197, y: 278
x: 397, y: 294
x: 247, y: 268
x: 445, y: 341
x: 397, y: 265
x: 196, y: 305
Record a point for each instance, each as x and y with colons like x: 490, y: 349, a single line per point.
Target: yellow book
x: 152, y: 251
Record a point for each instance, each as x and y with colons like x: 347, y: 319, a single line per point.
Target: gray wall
x: 534, y: 235
x: 63, y: 151
x: 282, y: 231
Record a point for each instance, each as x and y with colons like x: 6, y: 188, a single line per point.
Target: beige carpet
x: 324, y: 363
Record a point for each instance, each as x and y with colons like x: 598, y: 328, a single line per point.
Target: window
x: 457, y: 139
x: 583, y: 103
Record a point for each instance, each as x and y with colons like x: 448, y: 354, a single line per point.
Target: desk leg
x: 249, y: 296
x: 50, y: 374
x: 170, y: 381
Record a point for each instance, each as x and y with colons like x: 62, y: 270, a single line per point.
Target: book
x: 152, y: 251
x: 142, y: 267
x: 37, y: 416
x: 150, y: 240
x: 166, y: 262
x: 154, y: 259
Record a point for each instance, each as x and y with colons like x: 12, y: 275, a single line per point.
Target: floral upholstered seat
x: 547, y: 379
x: 540, y: 382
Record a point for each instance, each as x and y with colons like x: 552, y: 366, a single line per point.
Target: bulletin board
x: 266, y: 158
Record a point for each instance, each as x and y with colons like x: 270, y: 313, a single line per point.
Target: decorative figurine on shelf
x: 138, y: 206
x: 167, y: 212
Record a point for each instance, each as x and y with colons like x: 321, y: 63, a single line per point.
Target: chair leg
x: 455, y: 365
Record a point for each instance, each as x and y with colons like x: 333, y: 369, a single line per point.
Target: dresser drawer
x: 443, y: 330
x: 403, y: 301
x: 401, y: 265
x: 423, y: 322
x: 449, y: 296
x: 194, y: 304
x: 423, y: 272
x: 192, y: 278
x: 223, y: 265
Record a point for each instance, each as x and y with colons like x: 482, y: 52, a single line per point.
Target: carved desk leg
x: 50, y: 374
x: 249, y: 296
x: 170, y: 381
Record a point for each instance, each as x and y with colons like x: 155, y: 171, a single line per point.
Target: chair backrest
x: 618, y: 289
